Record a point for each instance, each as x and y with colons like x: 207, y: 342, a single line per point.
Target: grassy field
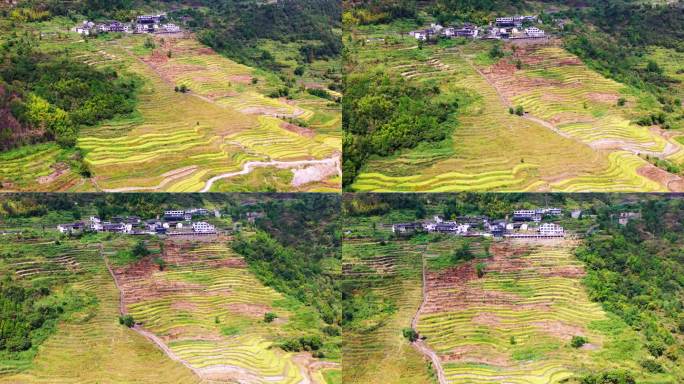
x: 209, y: 310
x: 574, y: 136
x: 89, y: 346
x: 205, y: 306
x: 374, y: 350
x: 178, y: 141
x: 515, y: 323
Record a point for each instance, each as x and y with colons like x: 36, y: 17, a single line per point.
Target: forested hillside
x: 637, y: 272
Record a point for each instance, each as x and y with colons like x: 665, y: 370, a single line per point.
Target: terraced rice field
x: 514, y: 324
x: 376, y: 352
x: 573, y: 137
x: 90, y: 346
x: 208, y: 309
x: 177, y: 142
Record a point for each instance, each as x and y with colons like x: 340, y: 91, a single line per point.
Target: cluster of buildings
x: 172, y: 223
x: 511, y: 27
x: 522, y: 224
x: 142, y: 24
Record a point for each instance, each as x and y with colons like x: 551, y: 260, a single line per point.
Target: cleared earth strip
x: 250, y: 166
x: 419, y: 344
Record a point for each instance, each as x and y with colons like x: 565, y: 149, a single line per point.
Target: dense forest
x: 49, y: 96
x: 381, y: 115
x: 235, y: 27
x: 618, y: 49
x: 637, y: 272
x: 296, y: 243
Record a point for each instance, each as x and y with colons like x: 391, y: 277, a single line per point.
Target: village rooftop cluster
x: 172, y: 223
x: 510, y: 27
x: 523, y: 224
x: 142, y: 24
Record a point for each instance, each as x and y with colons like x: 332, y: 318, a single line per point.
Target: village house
x: 71, y: 227
x: 626, y: 217
x: 534, y: 33
x: 467, y: 30
x: 201, y: 227
x: 116, y: 227
x: 174, y: 215
x: 551, y: 229
x: 524, y: 215
x: 403, y: 228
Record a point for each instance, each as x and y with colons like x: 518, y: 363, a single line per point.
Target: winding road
x: 419, y: 344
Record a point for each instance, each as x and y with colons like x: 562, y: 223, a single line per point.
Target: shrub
x: 410, y: 334
x: 656, y: 349
x: 140, y: 250
x: 480, y: 269
x: 160, y: 263
x: 519, y: 110
x: 127, y: 320
x: 512, y: 340
x: 611, y: 377
x: 652, y: 366
x: 269, y: 317
x: 621, y: 101
x: 578, y: 341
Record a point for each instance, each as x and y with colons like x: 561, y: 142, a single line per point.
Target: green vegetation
x: 635, y: 271
x: 410, y: 334
x: 127, y: 320
x: 383, y: 115
x: 553, y: 94
x: 52, y: 95
x: 110, y: 98
x: 198, y: 297
x: 515, y: 311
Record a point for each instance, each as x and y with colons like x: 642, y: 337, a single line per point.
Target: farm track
x: 148, y: 335
x: 419, y: 344
x: 250, y: 166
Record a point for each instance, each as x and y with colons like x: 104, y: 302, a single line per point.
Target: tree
x: 160, y: 263
x: 127, y: 320
x: 410, y: 334
x: 269, y: 317
x: 480, y: 269
x: 519, y: 110
x: 463, y: 253
x: 578, y: 341
x: 140, y: 250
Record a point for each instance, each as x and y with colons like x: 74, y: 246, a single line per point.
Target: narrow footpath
x: 420, y: 344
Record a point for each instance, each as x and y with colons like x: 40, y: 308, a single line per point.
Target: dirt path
x: 148, y: 335
x: 615, y: 144
x: 419, y: 344
x: 251, y: 165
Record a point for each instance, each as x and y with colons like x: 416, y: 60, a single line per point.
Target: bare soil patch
x: 559, y: 329
x: 608, y: 98
x: 486, y: 318
x: 673, y: 182
x: 59, y: 170
x: 316, y: 172
x: 301, y: 131
x: 471, y: 354
x: 240, y: 79
x: 252, y: 310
